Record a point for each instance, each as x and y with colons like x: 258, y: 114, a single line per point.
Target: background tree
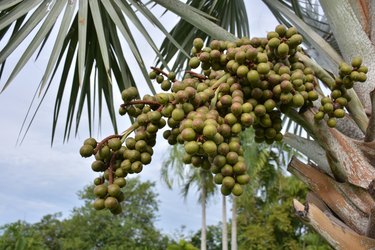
x: 87, y: 228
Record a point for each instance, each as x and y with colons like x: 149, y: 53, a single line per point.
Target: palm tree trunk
x: 203, y: 234
x: 224, y: 238
x: 234, y: 225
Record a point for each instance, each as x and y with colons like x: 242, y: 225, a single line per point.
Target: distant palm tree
x: 187, y: 176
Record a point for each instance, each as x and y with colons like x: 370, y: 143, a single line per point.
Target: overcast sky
x: 37, y: 180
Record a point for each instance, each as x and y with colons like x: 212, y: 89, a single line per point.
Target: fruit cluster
x: 247, y: 83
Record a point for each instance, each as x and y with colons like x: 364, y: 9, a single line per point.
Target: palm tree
x: 342, y: 171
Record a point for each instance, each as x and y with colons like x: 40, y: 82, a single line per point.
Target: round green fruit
x: 98, y: 166
x: 113, y: 190
x: 121, y: 182
x: 356, y: 62
x: 243, y: 179
x: 111, y: 202
x: 331, y: 122
x: 198, y: 44
x: 90, y: 141
x: 209, y: 147
x: 263, y: 68
x: 339, y: 113
x: 191, y: 147
x: 86, y: 151
x: 100, y: 191
x: 237, y: 190
x: 228, y: 182
x: 218, y: 179
x: 225, y: 191
x: 194, y: 62
x: 283, y: 50
x: 99, y: 204
x: 114, y: 144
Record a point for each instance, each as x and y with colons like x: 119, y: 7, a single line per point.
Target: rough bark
x: 351, y: 204
x: 346, y: 160
x: 337, y: 236
x: 224, y: 237
x: 371, y: 7
x: 370, y: 132
x: 361, y: 11
x: 348, y: 127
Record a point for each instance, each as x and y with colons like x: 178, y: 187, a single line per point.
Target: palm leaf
x: 94, y: 28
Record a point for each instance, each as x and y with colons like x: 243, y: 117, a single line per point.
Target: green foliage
x: 90, y: 229
x: 213, y: 237
x: 182, y: 245
x: 265, y: 217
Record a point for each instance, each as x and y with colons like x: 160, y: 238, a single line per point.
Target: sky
x: 37, y: 179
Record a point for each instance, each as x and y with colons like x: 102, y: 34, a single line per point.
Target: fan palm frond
x: 88, y: 46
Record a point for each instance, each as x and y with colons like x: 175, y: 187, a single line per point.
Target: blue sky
x: 37, y: 179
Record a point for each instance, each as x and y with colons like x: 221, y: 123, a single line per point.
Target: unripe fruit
x: 152, y: 75
x: 194, y: 62
x: 113, y: 190
x: 191, y: 147
x: 242, y: 71
x: 260, y: 110
x: 281, y: 30
x: 100, y: 191
x: 237, y: 190
x: 224, y: 190
x: 331, y: 122
x: 90, y: 141
x: 218, y: 179
x: 290, y: 32
x: 209, y: 131
x: 145, y: 158
x: 121, y: 182
x: 274, y: 42
x: 209, y: 147
x: 319, y: 116
x: 263, y: 68
x: 99, y: 204
x: 188, y: 134
x: 105, y: 152
x: 178, y: 114
x: 86, y: 151
x: 111, y: 202
x: 313, y: 95
x: 298, y: 100
x: 243, y: 179
x: 253, y: 77
x: 356, y: 62
x: 98, y: 166
x: 114, y: 144
x: 198, y: 44
x: 345, y: 69
x: 339, y: 113
x: 228, y: 182
x: 283, y: 50
x: 117, y: 210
